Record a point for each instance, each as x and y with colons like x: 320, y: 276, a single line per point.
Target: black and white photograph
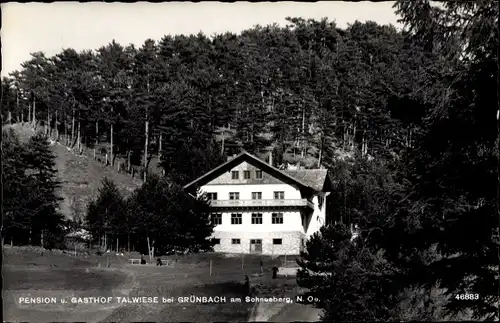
x: 331, y: 161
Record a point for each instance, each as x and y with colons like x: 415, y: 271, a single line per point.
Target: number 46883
x: 467, y: 297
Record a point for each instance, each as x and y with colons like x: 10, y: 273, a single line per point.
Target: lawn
x: 29, y: 273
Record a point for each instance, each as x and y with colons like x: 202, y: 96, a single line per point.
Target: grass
x: 29, y: 273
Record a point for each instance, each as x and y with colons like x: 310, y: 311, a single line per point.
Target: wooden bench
x: 165, y: 262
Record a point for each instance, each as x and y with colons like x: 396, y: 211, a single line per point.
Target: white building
x: 258, y: 208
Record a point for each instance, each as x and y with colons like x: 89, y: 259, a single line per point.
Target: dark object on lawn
x: 247, y: 285
x: 158, y: 262
x: 261, y: 267
x: 275, y: 271
x: 143, y: 261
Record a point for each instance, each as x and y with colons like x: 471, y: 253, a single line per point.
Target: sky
x: 50, y: 27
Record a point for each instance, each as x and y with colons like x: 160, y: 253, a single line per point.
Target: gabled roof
x: 317, y: 179
x: 310, y: 179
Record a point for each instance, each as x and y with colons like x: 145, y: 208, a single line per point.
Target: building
x: 258, y: 208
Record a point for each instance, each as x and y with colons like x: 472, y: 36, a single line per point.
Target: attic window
x: 258, y: 174
x: 235, y: 174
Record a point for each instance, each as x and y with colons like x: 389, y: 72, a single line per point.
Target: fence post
x: 210, y: 267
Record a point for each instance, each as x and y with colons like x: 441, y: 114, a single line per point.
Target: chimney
x: 271, y: 157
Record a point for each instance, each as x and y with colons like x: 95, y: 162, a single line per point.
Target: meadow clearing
x: 32, y: 272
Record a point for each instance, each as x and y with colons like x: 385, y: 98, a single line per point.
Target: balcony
x: 274, y: 203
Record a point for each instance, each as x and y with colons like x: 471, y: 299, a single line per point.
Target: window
x: 216, y: 241
x: 216, y: 218
x: 234, y: 196
x: 235, y: 174
x: 279, y: 195
x: 256, y: 218
x: 257, y: 196
x: 235, y: 241
x: 212, y: 196
x: 236, y: 218
x: 277, y: 218
x: 277, y: 241
x: 246, y: 174
x: 258, y: 174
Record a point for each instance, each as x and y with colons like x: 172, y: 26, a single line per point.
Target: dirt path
x: 297, y: 312
x: 282, y: 312
x: 130, y: 284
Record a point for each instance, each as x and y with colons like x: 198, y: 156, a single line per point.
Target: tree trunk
x: 129, y: 166
x: 320, y: 152
x: 57, y: 128
x: 66, y: 135
x: 41, y: 240
x: 111, y: 143
x: 117, y: 245
x: 128, y: 242
x: 9, y: 117
x: 498, y: 164
x: 146, y: 134
x: 223, y: 137
x: 159, y: 148
x: 149, y: 249
x: 303, y: 129
x: 78, y: 138
x: 73, y: 128
x: 47, y: 126
x: 96, y: 136
x: 17, y: 104
x: 34, y: 113
x: 29, y: 113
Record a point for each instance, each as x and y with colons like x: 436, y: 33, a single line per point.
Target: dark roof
x: 244, y: 156
x: 314, y: 178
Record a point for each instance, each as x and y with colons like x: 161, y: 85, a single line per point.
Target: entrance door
x: 256, y: 245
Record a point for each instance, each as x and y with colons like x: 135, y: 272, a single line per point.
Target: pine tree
x: 104, y: 214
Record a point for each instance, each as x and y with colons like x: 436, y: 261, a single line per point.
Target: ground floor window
x: 235, y: 241
x: 256, y: 245
x: 216, y: 241
x: 277, y: 241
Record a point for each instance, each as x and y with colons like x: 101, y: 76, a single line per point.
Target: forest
x: 405, y: 120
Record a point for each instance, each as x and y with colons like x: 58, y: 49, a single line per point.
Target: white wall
x: 291, y: 222
x: 318, y: 217
x: 246, y: 190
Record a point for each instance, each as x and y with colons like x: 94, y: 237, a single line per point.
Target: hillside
x: 80, y: 176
